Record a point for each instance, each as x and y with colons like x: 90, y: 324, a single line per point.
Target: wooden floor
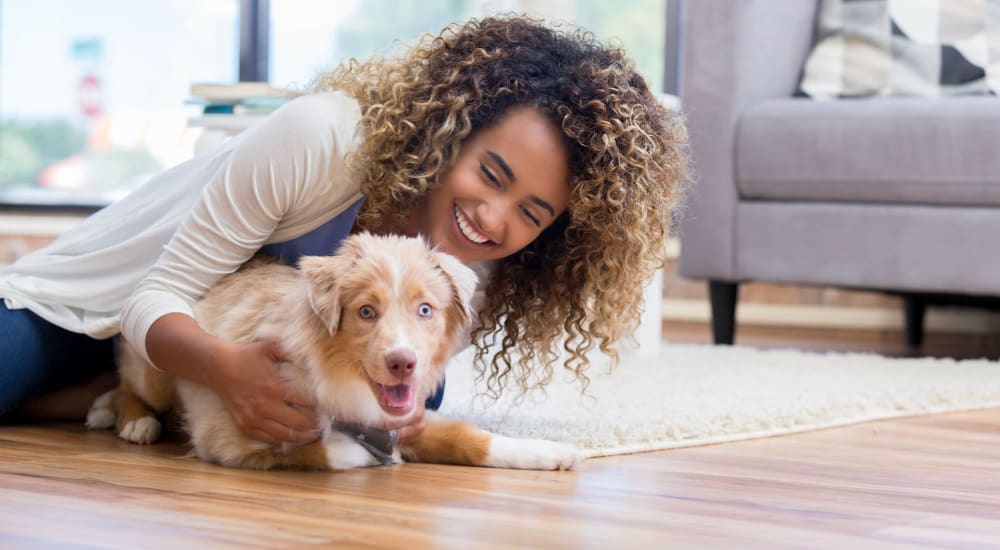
x: 921, y: 482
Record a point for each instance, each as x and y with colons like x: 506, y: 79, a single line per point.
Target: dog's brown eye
x: 425, y: 310
x: 367, y: 312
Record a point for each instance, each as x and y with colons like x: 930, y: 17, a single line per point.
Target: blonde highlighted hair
x: 579, y: 285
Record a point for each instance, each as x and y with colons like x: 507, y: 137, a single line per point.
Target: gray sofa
x: 892, y: 194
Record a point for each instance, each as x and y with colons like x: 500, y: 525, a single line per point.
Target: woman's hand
x: 263, y: 407
x: 246, y: 377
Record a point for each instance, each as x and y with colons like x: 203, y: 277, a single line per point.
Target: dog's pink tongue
x: 399, y: 396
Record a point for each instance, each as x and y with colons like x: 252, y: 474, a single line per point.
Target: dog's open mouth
x: 396, y: 399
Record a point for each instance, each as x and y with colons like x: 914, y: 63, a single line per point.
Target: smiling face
x: 510, y: 181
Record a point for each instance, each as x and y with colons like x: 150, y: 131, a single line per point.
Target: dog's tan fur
x: 315, y: 313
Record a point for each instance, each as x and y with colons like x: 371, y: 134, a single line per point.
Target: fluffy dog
x: 368, y: 331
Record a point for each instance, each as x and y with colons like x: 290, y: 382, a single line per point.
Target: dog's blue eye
x: 425, y: 310
x: 367, y: 312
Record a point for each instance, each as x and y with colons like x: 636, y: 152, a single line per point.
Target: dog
x: 368, y: 332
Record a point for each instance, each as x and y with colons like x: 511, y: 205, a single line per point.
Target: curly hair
x: 579, y: 284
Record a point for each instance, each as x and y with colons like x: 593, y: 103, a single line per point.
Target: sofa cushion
x: 904, y: 48
x: 899, y: 150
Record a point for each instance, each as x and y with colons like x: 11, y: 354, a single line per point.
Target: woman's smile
x: 509, y: 182
x: 465, y: 228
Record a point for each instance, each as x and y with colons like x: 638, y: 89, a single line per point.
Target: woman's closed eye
x: 489, y: 174
x: 494, y: 181
x: 531, y: 217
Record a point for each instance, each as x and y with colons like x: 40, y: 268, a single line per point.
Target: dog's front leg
x: 446, y: 441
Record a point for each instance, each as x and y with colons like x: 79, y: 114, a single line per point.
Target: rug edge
x: 763, y: 434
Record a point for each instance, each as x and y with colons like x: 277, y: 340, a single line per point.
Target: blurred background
x: 96, y: 97
x: 93, y: 93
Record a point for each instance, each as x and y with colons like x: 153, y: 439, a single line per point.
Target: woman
x: 540, y: 157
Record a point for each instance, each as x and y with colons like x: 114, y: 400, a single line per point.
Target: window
x: 309, y: 36
x: 92, y: 100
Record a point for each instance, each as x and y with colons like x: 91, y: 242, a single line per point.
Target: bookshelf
x: 217, y: 128
x: 230, y: 108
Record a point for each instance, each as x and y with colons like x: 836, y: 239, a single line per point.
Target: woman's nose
x: 492, y: 218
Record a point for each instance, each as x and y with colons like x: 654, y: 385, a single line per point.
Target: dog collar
x: 379, y: 443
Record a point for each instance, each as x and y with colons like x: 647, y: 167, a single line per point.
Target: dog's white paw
x: 101, y: 415
x: 343, y: 453
x: 532, y: 454
x: 100, y: 419
x: 143, y: 431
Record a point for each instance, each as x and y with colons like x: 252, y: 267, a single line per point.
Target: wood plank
x: 926, y: 480
x: 923, y: 481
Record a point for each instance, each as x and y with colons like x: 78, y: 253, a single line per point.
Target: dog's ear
x: 462, y: 280
x: 324, y: 274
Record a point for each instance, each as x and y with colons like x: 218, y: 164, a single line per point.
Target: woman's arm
x: 245, y: 377
x: 288, y: 160
x: 292, y: 162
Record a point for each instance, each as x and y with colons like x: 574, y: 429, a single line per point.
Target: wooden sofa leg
x: 723, y: 295
x: 914, y: 308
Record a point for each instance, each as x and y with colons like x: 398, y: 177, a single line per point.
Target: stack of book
x: 241, y: 98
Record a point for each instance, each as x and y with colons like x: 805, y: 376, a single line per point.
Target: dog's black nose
x: 401, y: 362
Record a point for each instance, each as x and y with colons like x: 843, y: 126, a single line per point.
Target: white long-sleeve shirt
x: 162, y: 247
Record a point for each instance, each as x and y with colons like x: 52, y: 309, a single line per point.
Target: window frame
x: 254, y: 47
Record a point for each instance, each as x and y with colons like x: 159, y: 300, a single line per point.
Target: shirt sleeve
x: 271, y: 167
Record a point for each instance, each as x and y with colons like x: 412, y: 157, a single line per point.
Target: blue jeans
x: 37, y: 357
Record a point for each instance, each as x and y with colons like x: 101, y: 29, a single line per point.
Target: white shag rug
x: 695, y: 395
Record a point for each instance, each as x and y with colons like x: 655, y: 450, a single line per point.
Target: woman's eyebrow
x: 544, y: 205
x: 503, y: 165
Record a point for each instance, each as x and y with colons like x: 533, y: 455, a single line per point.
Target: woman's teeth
x: 467, y: 229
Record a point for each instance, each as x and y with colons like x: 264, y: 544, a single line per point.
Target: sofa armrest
x: 734, y: 53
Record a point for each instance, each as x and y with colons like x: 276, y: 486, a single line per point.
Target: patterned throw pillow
x: 920, y: 48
